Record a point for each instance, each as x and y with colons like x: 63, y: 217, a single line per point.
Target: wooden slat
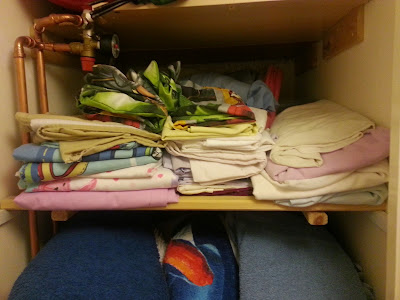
x: 231, y: 203
x: 61, y: 215
x: 349, y: 31
x: 316, y: 217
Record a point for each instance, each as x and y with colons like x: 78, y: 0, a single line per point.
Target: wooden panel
x: 349, y: 31
x: 230, y: 203
x: 222, y: 23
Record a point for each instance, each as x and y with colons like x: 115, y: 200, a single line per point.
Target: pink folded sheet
x: 370, y: 149
x: 97, y: 200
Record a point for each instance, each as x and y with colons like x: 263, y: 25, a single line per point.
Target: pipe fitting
x: 54, y: 19
x: 20, y: 43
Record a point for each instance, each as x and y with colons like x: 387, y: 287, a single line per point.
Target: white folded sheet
x: 265, y: 188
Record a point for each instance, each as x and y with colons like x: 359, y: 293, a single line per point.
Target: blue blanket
x: 102, y: 256
x: 282, y: 257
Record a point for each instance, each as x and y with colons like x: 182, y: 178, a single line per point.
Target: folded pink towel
x: 370, y: 149
x: 96, y: 200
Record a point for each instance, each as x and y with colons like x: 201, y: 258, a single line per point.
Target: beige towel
x: 78, y: 137
x: 265, y: 188
x: 305, y: 131
x: 195, y: 150
x: 206, y: 172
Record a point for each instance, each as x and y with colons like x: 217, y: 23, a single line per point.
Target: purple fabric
x: 372, y: 148
x: 96, y: 200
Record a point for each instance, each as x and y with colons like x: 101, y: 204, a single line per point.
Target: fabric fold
x: 305, y: 131
x: 78, y: 137
x: 162, y: 178
x: 369, y: 196
x: 96, y: 200
x: 266, y: 188
x: 373, y: 147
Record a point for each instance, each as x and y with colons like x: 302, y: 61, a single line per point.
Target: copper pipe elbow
x: 20, y: 43
x: 55, y: 19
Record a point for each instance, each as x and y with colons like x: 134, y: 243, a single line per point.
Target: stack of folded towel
x: 327, y: 153
x: 80, y: 164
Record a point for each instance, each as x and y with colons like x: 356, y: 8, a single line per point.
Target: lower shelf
x: 230, y: 203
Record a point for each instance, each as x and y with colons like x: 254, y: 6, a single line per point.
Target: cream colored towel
x: 78, y: 137
x: 195, y: 150
x: 206, y: 172
x: 200, y: 132
x: 259, y: 142
x: 265, y: 188
x: 305, y: 131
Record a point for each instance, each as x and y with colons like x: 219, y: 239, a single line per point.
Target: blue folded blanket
x: 104, y: 256
x: 284, y: 258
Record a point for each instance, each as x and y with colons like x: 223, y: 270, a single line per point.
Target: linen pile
x: 327, y: 153
x: 215, y: 144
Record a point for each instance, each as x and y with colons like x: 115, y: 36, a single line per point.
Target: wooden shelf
x: 187, y: 24
x: 230, y: 203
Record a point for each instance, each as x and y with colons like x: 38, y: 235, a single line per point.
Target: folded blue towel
x: 284, y: 258
x: 105, y: 256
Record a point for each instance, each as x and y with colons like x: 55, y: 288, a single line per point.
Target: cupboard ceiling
x: 187, y: 24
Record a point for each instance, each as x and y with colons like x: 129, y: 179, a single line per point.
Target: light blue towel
x: 282, y: 257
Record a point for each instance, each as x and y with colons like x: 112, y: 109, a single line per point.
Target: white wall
x: 15, y: 20
x: 361, y: 79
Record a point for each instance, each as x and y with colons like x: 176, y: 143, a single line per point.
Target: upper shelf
x: 187, y: 24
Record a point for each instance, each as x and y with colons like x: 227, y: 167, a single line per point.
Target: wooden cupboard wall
x: 364, y: 78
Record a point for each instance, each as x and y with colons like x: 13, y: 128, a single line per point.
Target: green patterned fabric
x: 149, y: 96
x: 108, y: 89
x: 189, y: 104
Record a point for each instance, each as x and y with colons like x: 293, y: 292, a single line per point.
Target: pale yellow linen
x: 305, y: 131
x: 200, y: 132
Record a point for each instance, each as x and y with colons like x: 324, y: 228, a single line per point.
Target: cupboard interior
x: 345, y: 78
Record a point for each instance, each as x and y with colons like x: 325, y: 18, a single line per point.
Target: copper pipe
x: 41, y: 74
x: 39, y: 27
x: 19, y: 58
x: 56, y: 47
x: 33, y: 232
x: 53, y: 19
x: 42, y: 86
x: 55, y: 227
